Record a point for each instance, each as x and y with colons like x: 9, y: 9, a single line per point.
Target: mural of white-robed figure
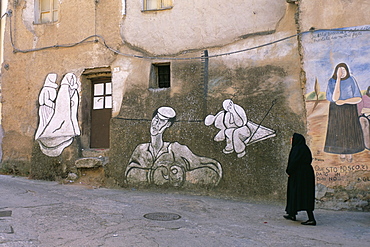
x: 58, y: 123
x: 169, y: 163
x: 47, y: 97
x: 236, y: 129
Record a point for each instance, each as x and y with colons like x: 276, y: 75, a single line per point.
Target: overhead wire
x: 100, y: 39
x: 6, y: 13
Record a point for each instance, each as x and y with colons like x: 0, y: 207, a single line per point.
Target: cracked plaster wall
x: 198, y: 24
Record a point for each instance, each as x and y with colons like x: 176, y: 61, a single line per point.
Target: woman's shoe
x: 289, y: 217
x: 309, y: 223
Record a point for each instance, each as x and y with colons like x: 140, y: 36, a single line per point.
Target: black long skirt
x: 301, y: 191
x: 344, y: 133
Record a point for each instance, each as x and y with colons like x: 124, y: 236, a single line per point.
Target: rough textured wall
x: 34, y: 58
x: 262, y: 90
x: 198, y: 23
x: 341, y: 155
x: 3, y: 6
x: 264, y: 82
x: 329, y: 14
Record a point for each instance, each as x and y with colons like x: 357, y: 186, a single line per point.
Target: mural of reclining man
x: 236, y: 129
x: 58, y: 114
x: 165, y: 163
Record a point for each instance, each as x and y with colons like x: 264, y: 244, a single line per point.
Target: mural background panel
x: 338, y: 177
x: 261, y: 172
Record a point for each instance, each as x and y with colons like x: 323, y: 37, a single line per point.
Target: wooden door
x: 101, y: 112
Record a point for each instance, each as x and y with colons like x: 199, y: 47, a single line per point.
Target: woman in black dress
x: 301, y: 181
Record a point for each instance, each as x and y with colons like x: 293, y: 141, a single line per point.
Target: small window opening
x: 157, y: 4
x: 46, y: 11
x: 160, y: 76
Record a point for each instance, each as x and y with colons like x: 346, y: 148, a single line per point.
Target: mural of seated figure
x: 165, y: 163
x: 236, y: 129
x: 364, y: 118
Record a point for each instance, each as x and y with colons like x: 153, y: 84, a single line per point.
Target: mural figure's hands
x: 340, y: 102
x: 352, y: 101
x: 210, y: 119
x: 339, y: 72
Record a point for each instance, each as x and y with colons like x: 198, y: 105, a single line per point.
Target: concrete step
x: 89, y: 171
x: 91, y: 162
x: 95, y: 153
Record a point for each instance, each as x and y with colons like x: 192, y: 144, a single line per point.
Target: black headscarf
x: 298, y: 139
x: 300, y: 155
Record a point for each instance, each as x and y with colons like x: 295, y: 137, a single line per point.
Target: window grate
x: 160, y: 75
x: 164, y: 76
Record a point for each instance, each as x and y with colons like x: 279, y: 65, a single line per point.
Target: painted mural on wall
x: 337, y: 65
x: 169, y: 163
x: 58, y: 108
x: 344, y: 94
x: 235, y: 128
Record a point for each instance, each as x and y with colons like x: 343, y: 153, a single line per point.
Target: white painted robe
x: 63, y: 126
x: 47, y: 98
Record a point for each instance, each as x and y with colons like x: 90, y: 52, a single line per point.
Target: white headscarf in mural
x: 57, y: 132
x: 236, y: 129
x: 47, y: 98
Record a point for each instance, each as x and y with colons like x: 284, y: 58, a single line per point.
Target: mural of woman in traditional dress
x: 236, y: 129
x: 60, y: 130
x: 344, y: 135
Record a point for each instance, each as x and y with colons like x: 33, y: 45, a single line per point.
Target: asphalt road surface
x: 42, y: 213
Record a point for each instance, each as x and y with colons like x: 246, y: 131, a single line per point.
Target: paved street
x: 42, y: 213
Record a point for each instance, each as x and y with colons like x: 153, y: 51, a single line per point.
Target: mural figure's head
x: 368, y: 91
x: 50, y: 80
x: 343, y: 69
x: 163, y: 118
x: 70, y: 79
x: 228, y: 104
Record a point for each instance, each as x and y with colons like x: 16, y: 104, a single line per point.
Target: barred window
x: 160, y: 76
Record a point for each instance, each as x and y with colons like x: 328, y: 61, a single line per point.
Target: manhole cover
x: 5, y: 213
x: 162, y: 216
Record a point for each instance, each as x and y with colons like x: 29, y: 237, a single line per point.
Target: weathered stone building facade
x: 184, y: 94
